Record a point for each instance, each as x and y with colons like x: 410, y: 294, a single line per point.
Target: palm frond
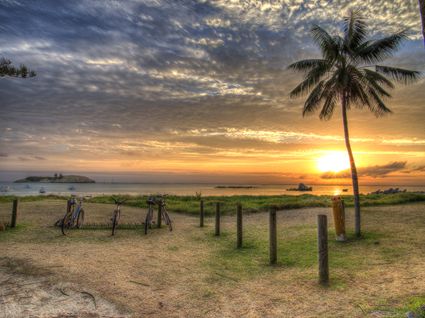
x: 378, y: 50
x: 326, y: 42
x: 313, y: 100
x: 362, y: 80
x: 399, y: 74
x: 378, y: 78
x: 355, y: 30
x: 357, y: 94
x: 328, y: 107
x: 379, y: 109
x: 306, y: 65
x: 330, y: 93
x: 379, y: 90
x: 302, y: 88
x: 311, y: 79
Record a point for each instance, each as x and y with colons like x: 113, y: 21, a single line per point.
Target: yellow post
x: 339, y: 218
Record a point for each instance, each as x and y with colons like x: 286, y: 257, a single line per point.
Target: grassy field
x: 191, y: 273
x: 251, y: 204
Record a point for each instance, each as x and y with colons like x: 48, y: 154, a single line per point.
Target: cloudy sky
x: 186, y: 91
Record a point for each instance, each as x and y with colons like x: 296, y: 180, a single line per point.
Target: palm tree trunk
x: 353, y: 169
x: 422, y: 11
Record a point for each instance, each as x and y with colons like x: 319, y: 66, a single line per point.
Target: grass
x: 296, y: 249
x: 22, y: 267
x: 414, y: 304
x: 197, y: 272
x: 30, y: 198
x: 251, y: 204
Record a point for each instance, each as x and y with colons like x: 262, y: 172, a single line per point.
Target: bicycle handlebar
x: 158, y: 199
x: 118, y: 201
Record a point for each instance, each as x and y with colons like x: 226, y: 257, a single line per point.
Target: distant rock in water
x: 235, y: 187
x: 388, y: 191
x: 301, y: 187
x: 60, y: 179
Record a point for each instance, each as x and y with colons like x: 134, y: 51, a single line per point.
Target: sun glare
x: 333, y: 161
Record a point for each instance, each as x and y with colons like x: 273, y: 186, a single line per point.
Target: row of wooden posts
x: 322, y: 236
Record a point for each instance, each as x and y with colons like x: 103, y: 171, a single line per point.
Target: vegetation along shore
x: 251, y: 203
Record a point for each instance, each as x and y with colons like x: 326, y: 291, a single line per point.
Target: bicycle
x: 116, y: 215
x: 74, y: 216
x: 162, y: 209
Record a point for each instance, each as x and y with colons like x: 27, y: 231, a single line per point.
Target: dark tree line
x: 7, y: 69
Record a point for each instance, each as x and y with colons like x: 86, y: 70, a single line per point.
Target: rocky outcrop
x: 388, y: 191
x: 301, y: 187
x: 57, y: 179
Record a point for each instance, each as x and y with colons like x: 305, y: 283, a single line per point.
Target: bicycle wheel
x: 66, y: 223
x: 167, y: 220
x: 115, y: 220
x: 80, y: 219
x: 148, y: 220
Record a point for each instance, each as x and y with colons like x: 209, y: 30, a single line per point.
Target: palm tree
x: 344, y: 75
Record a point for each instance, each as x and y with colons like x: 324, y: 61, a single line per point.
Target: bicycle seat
x: 150, y: 201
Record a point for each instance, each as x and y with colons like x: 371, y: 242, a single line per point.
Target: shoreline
x: 184, y: 189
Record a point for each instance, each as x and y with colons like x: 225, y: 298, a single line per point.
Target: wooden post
x: 201, y: 213
x: 217, y: 219
x: 159, y: 220
x: 273, y: 236
x: 338, y: 208
x: 322, y: 236
x: 14, y: 213
x: 239, y: 226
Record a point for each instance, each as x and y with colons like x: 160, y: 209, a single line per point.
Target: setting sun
x: 334, y: 161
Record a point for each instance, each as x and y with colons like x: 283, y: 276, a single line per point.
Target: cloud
x: 30, y: 158
x: 114, y: 76
x: 413, y: 141
x: 372, y: 171
x: 415, y: 169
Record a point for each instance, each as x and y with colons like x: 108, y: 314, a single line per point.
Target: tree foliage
x: 7, y: 69
x: 344, y: 70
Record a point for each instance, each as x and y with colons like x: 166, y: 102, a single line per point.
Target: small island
x: 235, y: 187
x: 57, y: 178
x: 301, y: 187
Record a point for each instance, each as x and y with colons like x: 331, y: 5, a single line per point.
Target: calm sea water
x: 93, y: 189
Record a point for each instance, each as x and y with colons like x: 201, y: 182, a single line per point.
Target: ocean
x: 96, y: 189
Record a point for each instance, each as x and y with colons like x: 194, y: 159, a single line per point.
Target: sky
x: 196, y: 91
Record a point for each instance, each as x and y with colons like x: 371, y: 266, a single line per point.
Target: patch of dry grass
x: 189, y: 272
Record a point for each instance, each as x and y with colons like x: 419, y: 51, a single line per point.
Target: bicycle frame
x: 75, y: 209
x: 116, y: 214
x: 73, y: 214
x: 160, y: 202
